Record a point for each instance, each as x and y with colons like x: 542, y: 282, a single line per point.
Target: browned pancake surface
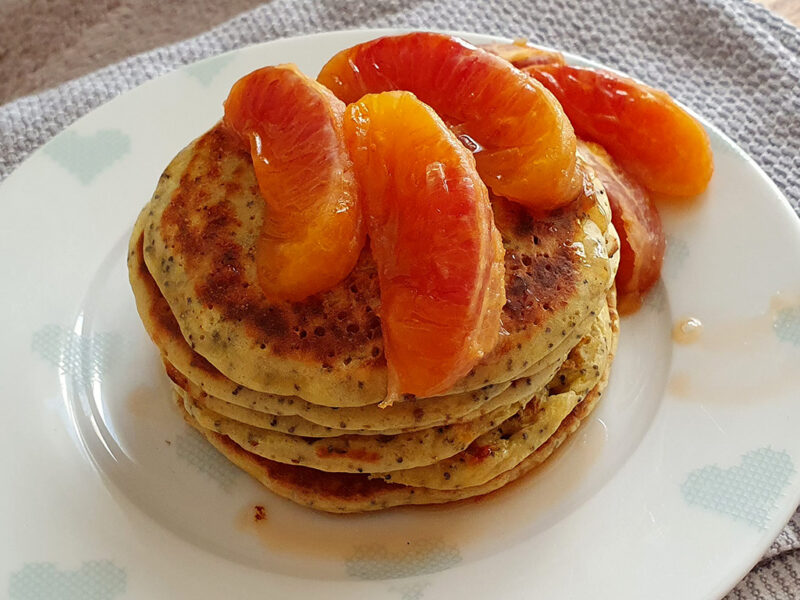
x: 199, y: 245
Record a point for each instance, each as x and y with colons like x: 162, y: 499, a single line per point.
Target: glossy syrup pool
x: 137, y: 439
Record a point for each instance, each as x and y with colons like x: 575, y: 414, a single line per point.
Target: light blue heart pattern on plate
x: 86, y: 156
x: 86, y: 358
x: 786, y: 325
x: 409, y: 591
x: 194, y: 449
x: 94, y: 580
x: 206, y: 70
x: 375, y: 562
x: 747, y: 492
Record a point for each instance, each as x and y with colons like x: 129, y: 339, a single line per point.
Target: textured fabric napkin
x: 730, y: 60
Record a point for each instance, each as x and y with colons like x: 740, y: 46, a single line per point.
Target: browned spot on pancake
x: 199, y: 362
x: 541, y: 265
x: 200, y: 226
x: 358, y: 454
x: 477, y: 454
x: 347, y: 486
x: 176, y: 376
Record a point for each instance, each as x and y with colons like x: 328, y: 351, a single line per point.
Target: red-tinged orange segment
x: 521, y: 54
x: 523, y: 142
x: 637, y: 223
x: 313, y: 229
x: 432, y: 234
x: 654, y: 139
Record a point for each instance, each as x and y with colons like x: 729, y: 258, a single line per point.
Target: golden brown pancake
x: 225, y: 396
x: 518, y: 391
x: 353, y: 492
x: 504, y: 447
x: 199, y: 238
x: 513, y: 430
x: 290, y: 391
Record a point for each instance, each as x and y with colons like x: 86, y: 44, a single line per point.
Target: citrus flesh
x: 313, y: 229
x: 523, y: 142
x: 433, y: 238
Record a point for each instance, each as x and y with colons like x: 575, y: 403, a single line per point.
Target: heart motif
x: 375, y: 562
x: 414, y: 590
x: 786, y: 324
x: 101, y: 580
x: 205, y: 71
x: 85, y: 358
x: 88, y: 156
x: 747, y: 492
x: 195, y: 450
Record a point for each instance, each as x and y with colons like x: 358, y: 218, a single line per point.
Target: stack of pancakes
x: 290, y: 392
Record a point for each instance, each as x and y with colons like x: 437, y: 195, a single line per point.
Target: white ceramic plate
x: 682, y: 478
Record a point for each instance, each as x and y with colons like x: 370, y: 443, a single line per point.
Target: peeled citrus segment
x: 313, y: 229
x: 637, y: 223
x: 523, y: 142
x: 654, y: 139
x: 521, y: 54
x: 432, y: 234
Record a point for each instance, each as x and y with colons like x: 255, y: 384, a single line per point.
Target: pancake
x: 350, y: 493
x: 516, y: 391
x: 291, y: 391
x: 381, y: 453
x: 353, y: 453
x: 184, y: 363
x: 199, y: 237
x: 507, y: 445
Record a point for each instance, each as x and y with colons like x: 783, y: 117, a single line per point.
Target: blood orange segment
x: 654, y: 139
x: 521, y: 54
x: 525, y: 145
x: 432, y: 234
x: 637, y: 222
x: 313, y: 229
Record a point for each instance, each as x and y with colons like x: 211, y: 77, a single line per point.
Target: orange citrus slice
x: 523, y: 142
x: 312, y: 232
x: 637, y: 223
x: 653, y: 138
x: 432, y: 234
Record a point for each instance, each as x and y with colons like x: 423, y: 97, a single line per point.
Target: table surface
x: 46, y: 42
x: 788, y: 9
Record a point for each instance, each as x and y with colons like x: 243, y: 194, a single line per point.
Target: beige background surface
x: 46, y: 42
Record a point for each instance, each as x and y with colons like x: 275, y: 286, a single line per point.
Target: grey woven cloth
x: 730, y: 60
